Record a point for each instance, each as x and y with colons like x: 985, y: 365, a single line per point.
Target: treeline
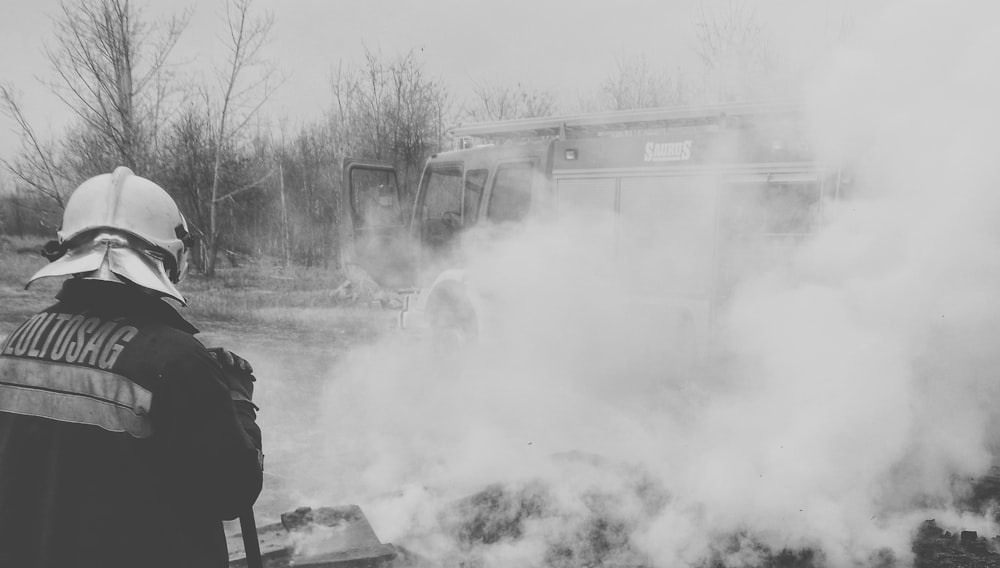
x: 252, y: 185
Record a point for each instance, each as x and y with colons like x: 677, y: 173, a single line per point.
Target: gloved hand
x: 237, y: 372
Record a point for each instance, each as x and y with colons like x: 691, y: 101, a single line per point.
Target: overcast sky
x: 564, y: 46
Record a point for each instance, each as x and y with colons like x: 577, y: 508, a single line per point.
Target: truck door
x: 373, y: 230
x: 513, y: 187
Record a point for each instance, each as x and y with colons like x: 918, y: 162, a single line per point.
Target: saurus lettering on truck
x: 667, y: 151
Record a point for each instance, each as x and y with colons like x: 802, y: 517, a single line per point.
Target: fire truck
x: 723, y: 187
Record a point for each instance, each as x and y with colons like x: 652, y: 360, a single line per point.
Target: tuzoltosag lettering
x: 32, y: 324
x: 68, y: 338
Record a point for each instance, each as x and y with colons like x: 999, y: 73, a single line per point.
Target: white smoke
x: 854, y: 401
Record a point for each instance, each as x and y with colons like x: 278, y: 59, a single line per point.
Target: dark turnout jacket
x: 119, y: 443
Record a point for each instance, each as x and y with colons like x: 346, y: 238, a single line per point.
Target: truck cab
x: 498, y: 184
x: 718, y: 188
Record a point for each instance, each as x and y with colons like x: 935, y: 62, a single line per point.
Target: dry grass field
x: 254, y: 295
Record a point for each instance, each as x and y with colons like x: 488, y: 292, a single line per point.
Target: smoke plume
x: 852, y: 398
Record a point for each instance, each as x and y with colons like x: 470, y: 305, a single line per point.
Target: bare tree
x: 245, y: 83
x: 375, y: 84
x: 635, y: 84
x: 505, y: 102
x: 738, y: 61
x: 189, y: 159
x: 37, y: 167
x: 416, y: 115
x: 306, y: 193
x: 111, y: 67
x: 389, y: 110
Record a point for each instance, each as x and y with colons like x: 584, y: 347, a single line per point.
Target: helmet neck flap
x: 113, y: 256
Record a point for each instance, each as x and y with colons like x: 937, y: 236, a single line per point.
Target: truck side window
x: 475, y: 181
x: 761, y: 222
x: 772, y: 209
x: 511, y: 196
x: 441, y: 204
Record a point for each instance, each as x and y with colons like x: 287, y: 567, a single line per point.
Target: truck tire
x: 452, y: 320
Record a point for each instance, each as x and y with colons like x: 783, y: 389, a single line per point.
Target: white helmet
x: 124, y: 224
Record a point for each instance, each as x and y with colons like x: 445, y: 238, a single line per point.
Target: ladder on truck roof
x: 664, y: 117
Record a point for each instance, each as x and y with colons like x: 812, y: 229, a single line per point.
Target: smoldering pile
x: 501, y: 516
x: 532, y: 524
x: 496, y: 520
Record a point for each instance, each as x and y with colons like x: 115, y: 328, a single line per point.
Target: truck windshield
x: 442, y: 192
x: 440, y: 207
x: 475, y: 181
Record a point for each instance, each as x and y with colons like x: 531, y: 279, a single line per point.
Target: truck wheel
x: 452, y: 321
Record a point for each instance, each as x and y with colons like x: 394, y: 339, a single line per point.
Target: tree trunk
x: 285, y: 244
x: 212, y: 237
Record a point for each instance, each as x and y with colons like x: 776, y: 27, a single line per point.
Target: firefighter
x: 124, y: 442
